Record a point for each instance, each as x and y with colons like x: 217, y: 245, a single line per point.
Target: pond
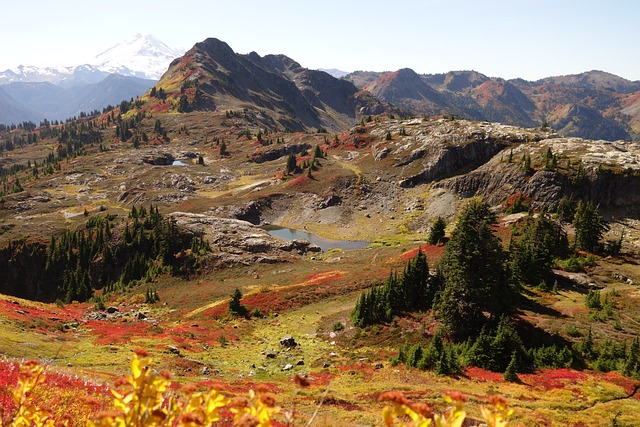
x: 324, y: 244
x: 178, y: 163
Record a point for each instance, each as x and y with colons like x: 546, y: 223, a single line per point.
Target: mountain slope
x: 12, y: 111
x: 110, y: 91
x: 46, y: 100
x: 214, y: 77
x: 594, y: 79
x: 406, y: 89
x: 594, y: 104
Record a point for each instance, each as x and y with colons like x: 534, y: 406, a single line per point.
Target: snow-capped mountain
x: 124, y: 71
x: 30, y: 74
x: 142, y: 56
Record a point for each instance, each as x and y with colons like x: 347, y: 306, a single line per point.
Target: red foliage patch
x: 117, y: 332
x: 296, y: 181
x: 431, y: 251
x: 549, y: 379
x: 8, y: 377
x: 480, y: 374
x: 628, y: 384
x: 517, y: 198
x: 47, y: 317
x: 318, y: 286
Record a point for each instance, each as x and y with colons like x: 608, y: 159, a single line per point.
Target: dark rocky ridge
x: 609, y: 180
x: 291, y: 96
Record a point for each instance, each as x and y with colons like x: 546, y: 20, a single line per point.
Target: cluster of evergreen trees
x: 72, y: 138
x: 475, y: 289
x: 438, y: 356
x: 414, y: 290
x: 94, y: 257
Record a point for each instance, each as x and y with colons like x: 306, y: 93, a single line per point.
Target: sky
x: 530, y: 39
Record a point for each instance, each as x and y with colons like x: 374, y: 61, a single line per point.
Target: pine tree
x: 437, y: 231
x: 632, y: 361
x: 511, y: 373
x: 473, y: 273
x: 235, y: 306
x: 480, y: 352
x: 532, y: 258
x: 589, y: 226
x: 291, y: 166
x: 585, y: 347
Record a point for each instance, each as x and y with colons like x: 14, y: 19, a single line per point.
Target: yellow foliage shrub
x: 142, y: 399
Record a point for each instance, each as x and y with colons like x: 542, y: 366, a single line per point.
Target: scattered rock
x: 288, y: 342
x: 141, y: 316
x: 332, y: 200
x: 378, y: 366
x: 206, y: 371
x: 300, y: 362
x: 287, y: 367
x: 173, y: 350
x: 381, y: 154
x: 188, y: 155
x: 270, y: 355
x: 325, y: 365
x: 112, y: 310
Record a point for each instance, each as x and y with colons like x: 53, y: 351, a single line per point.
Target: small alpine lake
x: 285, y: 233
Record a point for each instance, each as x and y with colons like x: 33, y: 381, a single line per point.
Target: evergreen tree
x: 480, y: 352
x: 414, y: 290
x: 532, y: 258
x: 589, y: 226
x: 586, y: 346
x: 511, y: 372
x: 184, y: 106
x: 235, y: 306
x: 473, y: 273
x: 437, y: 231
x: 566, y: 209
x: 631, y: 366
x: 291, y: 166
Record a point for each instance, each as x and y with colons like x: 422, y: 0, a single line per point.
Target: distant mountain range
x: 123, y: 71
x: 211, y: 76
x: 593, y: 105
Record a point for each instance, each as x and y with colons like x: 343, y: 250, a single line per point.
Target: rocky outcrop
x: 443, y: 159
x: 237, y: 242
x: 611, y: 174
x: 157, y: 159
x: 274, y: 152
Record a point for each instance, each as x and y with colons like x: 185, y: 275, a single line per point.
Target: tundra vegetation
x: 510, y: 294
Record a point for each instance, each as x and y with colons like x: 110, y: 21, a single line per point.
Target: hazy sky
x: 500, y: 38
